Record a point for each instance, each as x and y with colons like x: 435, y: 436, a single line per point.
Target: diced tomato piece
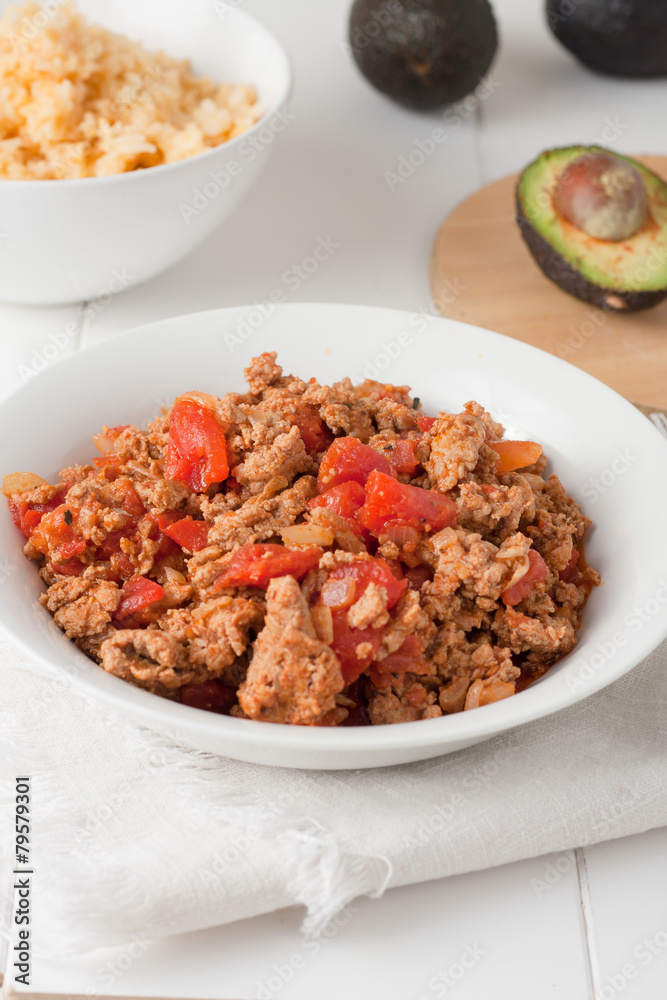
x: 346, y: 641
x: 68, y: 549
x: 122, y: 566
x: 55, y: 536
x: 396, y: 567
x: 211, y: 696
x: 425, y: 423
x: 111, y: 544
x: 417, y: 576
x: 137, y: 594
x: 167, y: 547
x: 315, y: 434
x: 379, y: 390
x: 129, y: 499
x: 346, y: 583
x: 111, y: 465
x: 188, y: 533
x: 344, y: 500
x: 72, y: 567
x: 254, y: 565
x: 408, y: 659
x: 571, y: 571
x: 402, y: 457
x: 197, y: 451
x: 388, y: 500
x: 537, y: 572
x: 348, y: 460
x: 513, y: 455
x: 26, y: 516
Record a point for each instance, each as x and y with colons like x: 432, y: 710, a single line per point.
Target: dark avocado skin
x: 617, y: 37
x: 427, y: 53
x: 558, y: 270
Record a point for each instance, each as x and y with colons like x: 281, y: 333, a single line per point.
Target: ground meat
x: 495, y: 510
x: 408, y: 618
x: 90, y: 644
x: 134, y: 445
x: 262, y: 372
x: 262, y: 517
x: 344, y: 536
x: 293, y: 676
x: 370, y: 611
x: 543, y: 641
x: 83, y: 609
x: 386, y: 708
x: 494, y: 430
x: 75, y: 473
x: 451, y: 449
x: 341, y: 408
x: 217, y: 632
x: 556, y: 501
x: 479, y: 569
x: 285, y: 457
x: 388, y: 414
x: 161, y: 494
x: 149, y: 658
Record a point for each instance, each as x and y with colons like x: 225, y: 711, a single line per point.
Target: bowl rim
x: 459, y: 729
x: 124, y: 177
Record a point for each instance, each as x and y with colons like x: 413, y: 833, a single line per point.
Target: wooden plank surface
x: 482, y: 273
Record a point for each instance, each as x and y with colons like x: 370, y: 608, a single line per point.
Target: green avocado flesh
x: 629, y: 274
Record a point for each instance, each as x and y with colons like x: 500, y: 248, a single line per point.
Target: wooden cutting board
x: 482, y: 273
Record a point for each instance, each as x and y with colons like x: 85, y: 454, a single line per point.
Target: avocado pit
x: 603, y: 196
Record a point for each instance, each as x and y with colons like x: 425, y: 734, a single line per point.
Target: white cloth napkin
x: 133, y: 834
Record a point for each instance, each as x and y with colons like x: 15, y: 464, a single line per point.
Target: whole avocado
x: 424, y: 54
x: 617, y: 37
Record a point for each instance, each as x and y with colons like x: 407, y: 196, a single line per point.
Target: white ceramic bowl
x: 607, y: 454
x: 71, y: 240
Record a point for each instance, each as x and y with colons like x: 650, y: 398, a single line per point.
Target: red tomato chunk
x: 211, y: 696
x: 197, y: 451
x: 425, y: 423
x: 346, y: 645
x: 138, y: 593
x: 347, y: 583
x: 254, y: 565
x: 315, y: 434
x: 186, y: 532
x: 344, y: 500
x: 56, y: 536
x: 402, y: 457
x: 348, y: 460
x: 388, y: 500
x: 537, y: 573
x: 27, y: 516
x: 408, y: 659
x: 571, y: 571
x: 513, y: 455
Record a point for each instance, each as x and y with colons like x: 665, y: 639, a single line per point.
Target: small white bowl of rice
x: 128, y: 131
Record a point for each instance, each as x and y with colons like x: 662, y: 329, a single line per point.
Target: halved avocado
x: 619, y: 276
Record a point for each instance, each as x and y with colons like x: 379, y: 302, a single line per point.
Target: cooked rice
x: 77, y: 100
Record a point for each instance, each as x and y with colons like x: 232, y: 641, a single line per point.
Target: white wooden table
x: 586, y: 924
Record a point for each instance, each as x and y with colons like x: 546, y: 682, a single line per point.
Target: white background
x: 571, y: 926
